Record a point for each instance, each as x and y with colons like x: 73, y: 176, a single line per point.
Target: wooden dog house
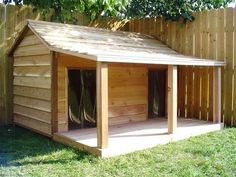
x: 45, y: 52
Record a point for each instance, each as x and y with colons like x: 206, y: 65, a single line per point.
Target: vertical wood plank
x: 184, y: 46
x: 229, y: 67
x: 190, y: 94
x: 204, y: 92
x: 217, y: 95
x: 181, y: 91
x: 146, y: 26
x: 210, y: 96
x: 177, y: 37
x: 205, y: 35
x: 181, y: 40
x: 212, y: 34
x: 234, y: 47
x: 197, y: 28
x: 197, y: 94
x: 172, y: 99
x: 220, y: 34
x: 152, y: 25
x: 221, y: 50
x: 54, y: 95
x: 212, y: 17
x: 189, y: 38
x: 102, y: 105
x: 165, y: 31
x: 169, y: 34
x: 158, y: 28
x: 173, y: 36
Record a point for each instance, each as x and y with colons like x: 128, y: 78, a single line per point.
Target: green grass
x: 23, y: 153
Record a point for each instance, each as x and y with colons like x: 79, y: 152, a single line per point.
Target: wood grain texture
x: 31, y: 50
x: 127, y: 93
x: 54, y: 95
x: 33, y: 124
x: 229, y: 70
x: 16, y: 19
x: 32, y: 85
x: 135, y: 136
x: 132, y: 110
x: 217, y: 95
x: 32, y: 103
x: 102, y: 104
x: 62, y: 118
x: 32, y: 61
x: 172, y: 99
x: 211, y: 35
x: 65, y: 62
x: 31, y: 92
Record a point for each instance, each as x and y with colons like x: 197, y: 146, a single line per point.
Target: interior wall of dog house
x: 127, y: 92
x: 32, y: 85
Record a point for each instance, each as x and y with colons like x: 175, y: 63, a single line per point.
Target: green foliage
x: 65, y: 10
x: 17, y: 2
x: 171, y: 9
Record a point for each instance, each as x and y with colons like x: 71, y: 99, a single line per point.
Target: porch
x: 135, y: 136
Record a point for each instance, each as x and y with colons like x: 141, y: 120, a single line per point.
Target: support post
x: 217, y: 95
x: 54, y: 92
x: 172, y: 99
x: 102, y: 105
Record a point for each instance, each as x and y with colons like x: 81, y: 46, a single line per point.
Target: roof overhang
x: 123, y: 52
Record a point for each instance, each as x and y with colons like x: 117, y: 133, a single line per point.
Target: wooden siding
x: 62, y: 119
x: 127, y: 99
x: 128, y: 89
x: 32, y: 85
x: 15, y: 19
x: 65, y: 62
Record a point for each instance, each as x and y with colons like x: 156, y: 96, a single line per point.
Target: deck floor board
x: 135, y: 136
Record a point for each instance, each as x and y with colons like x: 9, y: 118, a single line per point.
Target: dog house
x: 105, y: 92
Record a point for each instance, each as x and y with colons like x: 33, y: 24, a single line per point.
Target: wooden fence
x: 212, y: 35
x: 12, y: 20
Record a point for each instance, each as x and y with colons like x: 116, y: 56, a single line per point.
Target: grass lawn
x: 23, y: 153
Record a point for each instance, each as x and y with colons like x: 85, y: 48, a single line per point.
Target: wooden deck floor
x: 135, y: 136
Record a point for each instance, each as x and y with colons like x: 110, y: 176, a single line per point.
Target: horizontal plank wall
x: 32, y: 85
x: 127, y: 95
x: 212, y: 35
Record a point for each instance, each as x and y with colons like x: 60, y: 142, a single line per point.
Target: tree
x: 171, y: 9
x: 64, y: 10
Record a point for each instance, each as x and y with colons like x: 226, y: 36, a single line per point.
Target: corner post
x: 217, y: 95
x: 102, y: 105
x: 172, y: 99
x: 54, y: 92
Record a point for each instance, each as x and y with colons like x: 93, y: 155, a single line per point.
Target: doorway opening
x: 157, y: 86
x: 81, y: 98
